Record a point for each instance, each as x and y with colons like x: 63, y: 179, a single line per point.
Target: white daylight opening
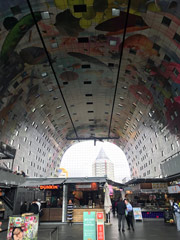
x: 87, y: 159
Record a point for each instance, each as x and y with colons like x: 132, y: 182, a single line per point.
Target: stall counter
x: 78, y: 213
x: 51, y: 214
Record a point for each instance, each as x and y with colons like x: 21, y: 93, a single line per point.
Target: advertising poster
x: 89, y: 226
x: 23, y: 228
x: 100, y: 226
x: 137, y: 213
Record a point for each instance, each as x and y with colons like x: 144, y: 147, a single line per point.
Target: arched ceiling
x: 89, y: 68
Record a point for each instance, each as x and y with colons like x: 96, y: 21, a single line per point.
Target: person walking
x: 129, y: 214
x: 121, y: 207
x: 177, y: 213
x: 113, y: 206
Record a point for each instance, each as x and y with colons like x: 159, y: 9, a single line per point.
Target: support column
x: 64, y: 205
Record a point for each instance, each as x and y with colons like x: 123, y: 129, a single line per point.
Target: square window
x: 16, y: 84
x: 167, y: 58
x: 80, y: 8
x: 87, y: 82
x: 110, y: 64
x: 176, y: 37
x: 112, y: 42
x: 83, y: 40
x: 45, y: 15
x: 175, y: 71
x: 132, y: 51
x: 156, y: 47
x: 44, y: 74
x: 115, y: 11
x: 54, y: 45
x: 86, y: 66
x: 166, y: 21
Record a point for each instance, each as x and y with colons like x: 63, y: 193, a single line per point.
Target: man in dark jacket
x: 121, y: 207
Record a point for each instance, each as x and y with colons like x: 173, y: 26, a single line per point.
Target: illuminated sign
x: 44, y: 187
x: 89, y: 186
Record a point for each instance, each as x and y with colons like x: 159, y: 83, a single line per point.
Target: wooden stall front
x: 78, y: 213
x: 51, y: 214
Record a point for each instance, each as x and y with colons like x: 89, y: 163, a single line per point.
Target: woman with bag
x: 129, y: 214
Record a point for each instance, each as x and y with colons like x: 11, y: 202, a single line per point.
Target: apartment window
x: 156, y: 47
x: 176, y: 37
x: 83, y: 40
x: 167, y: 58
x: 166, y: 21
x: 175, y: 71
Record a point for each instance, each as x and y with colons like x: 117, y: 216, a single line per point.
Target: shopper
x: 113, y: 206
x: 177, y: 213
x: 23, y: 208
x: 70, y: 208
x: 121, y: 207
x: 129, y: 214
x: 34, y: 208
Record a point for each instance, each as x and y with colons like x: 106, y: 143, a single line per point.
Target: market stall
x: 87, y: 195
x: 149, y: 196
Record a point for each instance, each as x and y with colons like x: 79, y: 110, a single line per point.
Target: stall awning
x: 86, y: 180
x: 42, y: 181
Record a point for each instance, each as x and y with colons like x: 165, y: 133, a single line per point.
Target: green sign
x: 89, y: 226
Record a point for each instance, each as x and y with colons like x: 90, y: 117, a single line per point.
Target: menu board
x: 23, y: 228
x: 89, y: 226
x: 137, y: 213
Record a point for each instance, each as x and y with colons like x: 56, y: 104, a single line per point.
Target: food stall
x: 49, y: 191
x: 150, y: 195
x: 87, y: 195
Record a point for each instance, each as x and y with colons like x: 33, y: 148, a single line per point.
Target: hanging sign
x: 100, y: 226
x: 89, y: 226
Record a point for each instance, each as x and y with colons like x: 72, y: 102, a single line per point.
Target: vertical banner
x: 89, y: 226
x: 23, y: 228
x: 100, y: 226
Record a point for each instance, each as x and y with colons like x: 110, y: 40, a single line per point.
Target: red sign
x: 100, y: 232
x: 100, y: 226
x: 99, y: 215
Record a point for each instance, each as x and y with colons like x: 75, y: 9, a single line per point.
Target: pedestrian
x: 177, y: 213
x: 34, y: 208
x: 121, y: 207
x: 23, y: 208
x: 113, y: 206
x: 70, y: 208
x: 129, y: 214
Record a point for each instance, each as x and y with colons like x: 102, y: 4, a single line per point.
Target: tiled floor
x: 147, y: 230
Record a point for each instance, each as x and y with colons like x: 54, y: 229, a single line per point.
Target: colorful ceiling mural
x: 96, y: 68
